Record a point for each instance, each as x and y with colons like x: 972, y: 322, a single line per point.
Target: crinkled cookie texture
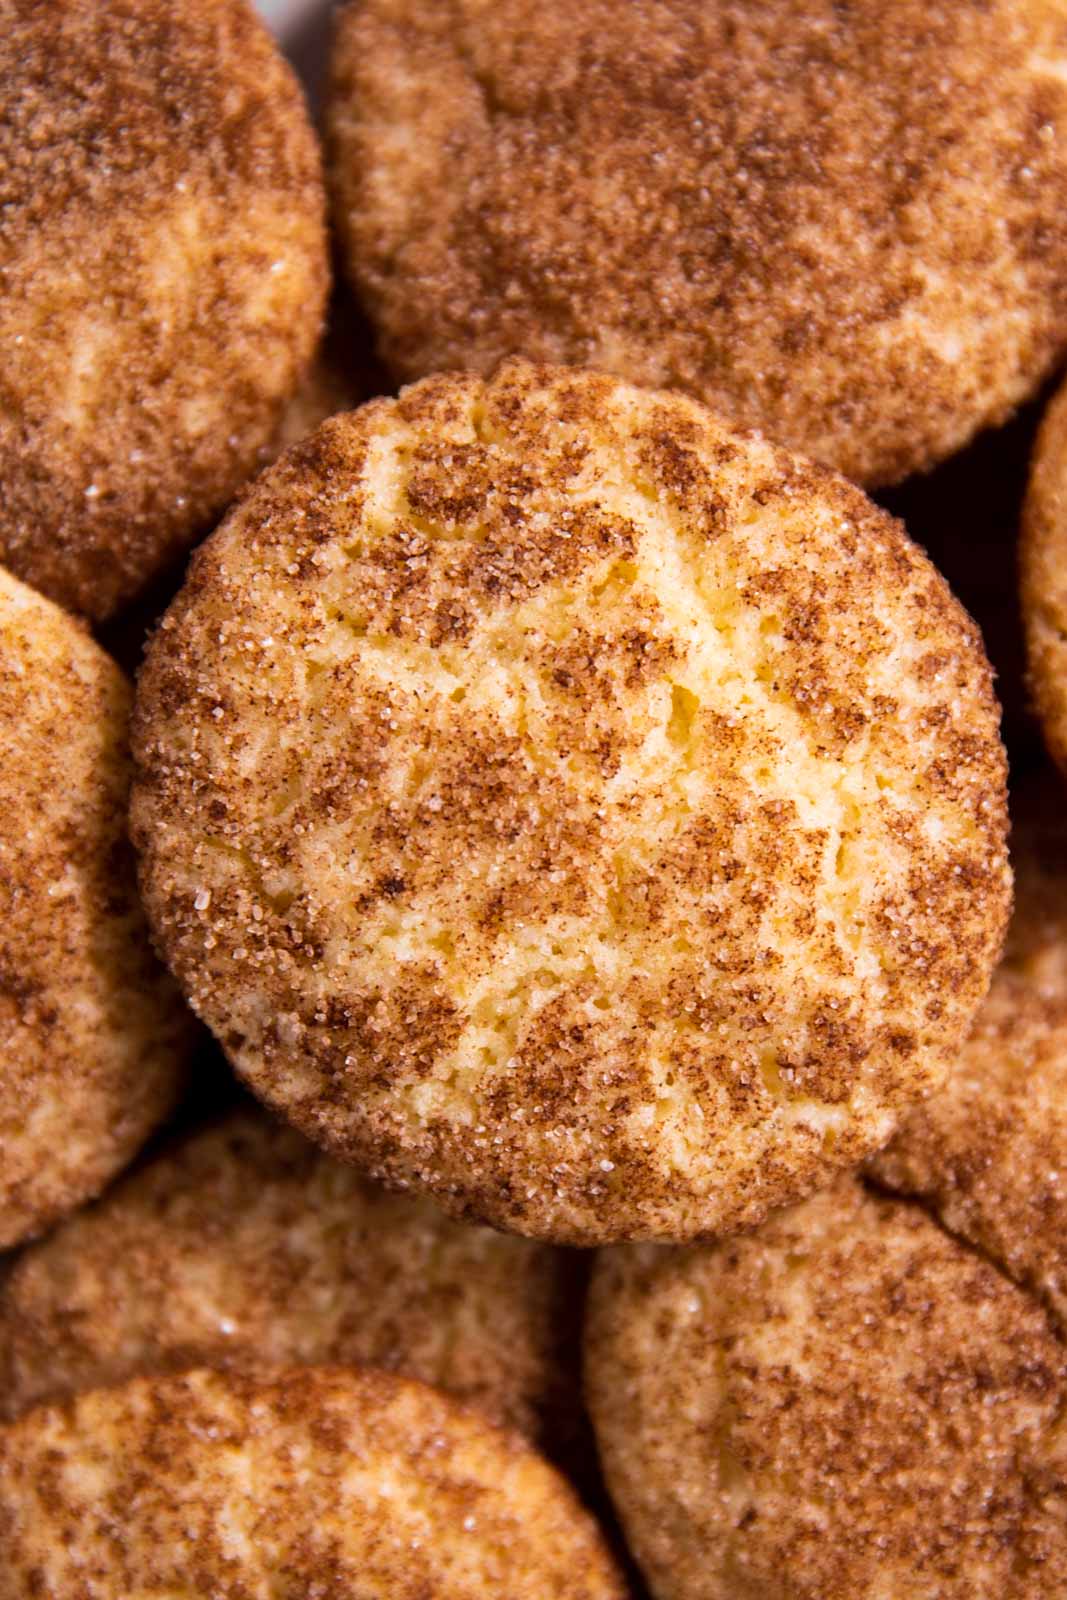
x: 845, y: 1405
x: 358, y: 1486
x: 989, y: 1151
x: 93, y: 1034
x: 244, y: 1245
x: 560, y: 803
x: 1043, y: 577
x: 842, y: 223
x: 163, y: 273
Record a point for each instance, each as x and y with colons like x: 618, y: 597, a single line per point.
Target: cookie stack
x: 559, y: 793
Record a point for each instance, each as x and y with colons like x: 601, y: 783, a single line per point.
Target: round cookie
x: 163, y: 273
x: 843, y: 224
x: 1043, y: 577
x: 93, y: 1034
x: 245, y: 1245
x: 313, y: 1482
x: 989, y: 1151
x: 557, y: 802
x: 847, y: 1402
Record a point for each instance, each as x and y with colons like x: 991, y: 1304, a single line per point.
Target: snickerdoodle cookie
x: 163, y: 272
x: 1043, y: 577
x: 245, y: 1245
x: 846, y: 224
x: 989, y: 1151
x: 846, y: 1403
x: 561, y: 803
x: 314, y: 1482
x: 92, y: 1031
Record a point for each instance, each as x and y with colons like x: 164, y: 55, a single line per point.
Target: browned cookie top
x: 162, y: 278
x: 841, y: 222
x: 845, y: 1405
x: 988, y: 1151
x: 93, y: 1033
x: 559, y: 802
x: 320, y: 1482
x: 244, y: 1245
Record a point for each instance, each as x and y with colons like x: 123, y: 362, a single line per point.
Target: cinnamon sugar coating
x: 1043, y: 577
x: 988, y: 1152
x: 93, y: 1034
x: 163, y: 274
x: 845, y: 1405
x: 315, y: 1482
x: 244, y: 1245
x: 844, y: 224
x: 562, y: 804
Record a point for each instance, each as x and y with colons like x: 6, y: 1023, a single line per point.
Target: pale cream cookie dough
x: 562, y: 804
x: 312, y: 1482
x: 243, y: 1245
x: 844, y: 224
x: 845, y: 1405
x: 163, y: 274
x: 93, y: 1033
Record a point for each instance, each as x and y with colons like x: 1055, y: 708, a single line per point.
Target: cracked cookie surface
x: 840, y: 223
x: 163, y: 274
x: 561, y: 803
x: 93, y: 1034
x: 246, y: 1246
x: 845, y: 1405
x: 312, y: 1482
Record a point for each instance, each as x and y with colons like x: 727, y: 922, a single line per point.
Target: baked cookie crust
x: 843, y: 224
x: 558, y: 802
x: 93, y: 1032
x: 163, y: 276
